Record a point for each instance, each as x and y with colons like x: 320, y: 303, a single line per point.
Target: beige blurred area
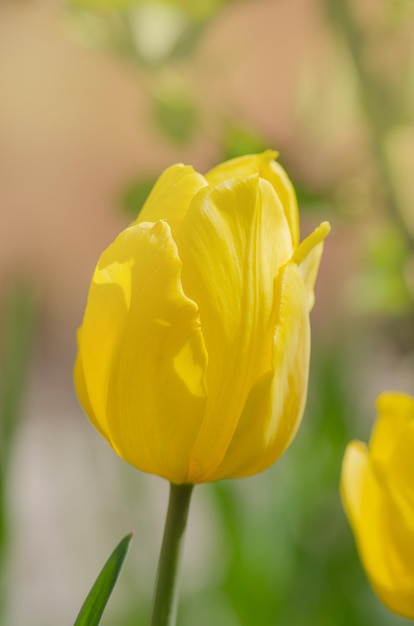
x: 75, y: 128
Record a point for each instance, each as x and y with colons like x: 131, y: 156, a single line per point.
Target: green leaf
x: 95, y: 603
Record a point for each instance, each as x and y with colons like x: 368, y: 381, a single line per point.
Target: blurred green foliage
x: 200, y: 10
x: 176, y: 115
x: 151, y: 32
x: 239, y: 139
x: 381, y: 286
x: 17, y: 333
x: 134, y: 195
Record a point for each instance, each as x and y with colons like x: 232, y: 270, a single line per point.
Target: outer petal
x: 142, y: 353
x: 392, y: 440
x: 391, y: 452
x: 233, y: 241
x: 376, y: 525
x: 274, y: 407
x: 266, y: 167
x: 308, y: 257
x: 171, y: 195
x: 105, y: 315
x: 240, y: 167
x: 82, y: 390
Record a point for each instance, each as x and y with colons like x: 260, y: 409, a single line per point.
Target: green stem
x: 166, y: 592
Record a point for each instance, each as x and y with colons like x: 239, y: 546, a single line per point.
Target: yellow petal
x: 82, y: 391
x: 276, y: 175
x: 391, y: 452
x: 106, y: 310
x: 308, y: 256
x: 232, y: 242
x: 171, y: 195
x: 377, y: 528
x: 274, y: 407
x: 363, y: 504
x: 240, y: 167
x: 266, y: 167
x: 394, y: 425
x: 142, y: 353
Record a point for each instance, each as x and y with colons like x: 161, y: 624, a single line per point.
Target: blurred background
x: 97, y: 98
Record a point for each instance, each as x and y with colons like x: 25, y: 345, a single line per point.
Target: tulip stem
x: 165, y: 604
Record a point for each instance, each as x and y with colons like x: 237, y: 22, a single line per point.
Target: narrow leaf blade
x: 95, y: 603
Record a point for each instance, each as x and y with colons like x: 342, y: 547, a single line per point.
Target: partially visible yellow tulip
x: 377, y: 487
x: 193, y: 354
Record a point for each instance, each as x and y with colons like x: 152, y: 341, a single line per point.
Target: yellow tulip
x: 377, y: 487
x: 193, y: 354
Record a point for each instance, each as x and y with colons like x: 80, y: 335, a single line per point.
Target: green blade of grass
x: 96, y: 600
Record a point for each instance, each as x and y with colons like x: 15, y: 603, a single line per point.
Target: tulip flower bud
x: 377, y: 487
x: 193, y: 354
